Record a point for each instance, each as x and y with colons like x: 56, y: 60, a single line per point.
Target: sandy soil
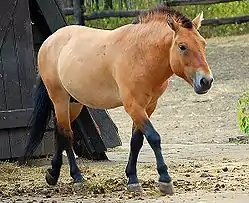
x: 195, y: 132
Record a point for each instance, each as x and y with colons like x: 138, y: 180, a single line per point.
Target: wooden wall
x: 17, y: 78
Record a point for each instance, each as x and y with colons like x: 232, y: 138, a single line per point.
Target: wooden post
x: 78, y: 12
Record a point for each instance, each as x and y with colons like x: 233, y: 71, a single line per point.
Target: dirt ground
x: 195, y: 131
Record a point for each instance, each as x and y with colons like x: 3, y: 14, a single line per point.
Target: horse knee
x: 68, y: 133
x: 136, y: 112
x: 63, y: 120
x: 152, y: 135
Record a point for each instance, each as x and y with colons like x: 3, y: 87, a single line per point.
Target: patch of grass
x: 243, y: 112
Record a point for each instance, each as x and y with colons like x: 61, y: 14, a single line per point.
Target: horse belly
x: 102, y: 98
x: 95, y: 94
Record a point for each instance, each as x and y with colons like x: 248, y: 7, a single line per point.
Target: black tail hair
x: 39, y: 119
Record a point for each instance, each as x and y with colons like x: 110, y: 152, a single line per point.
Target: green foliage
x: 109, y: 23
x: 243, y: 112
x: 70, y: 19
x: 222, y: 10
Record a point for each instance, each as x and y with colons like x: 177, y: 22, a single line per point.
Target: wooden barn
x: 25, y: 24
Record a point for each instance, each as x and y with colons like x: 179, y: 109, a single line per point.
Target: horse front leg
x: 135, y: 147
x: 141, y: 119
x: 154, y: 140
x: 136, y: 144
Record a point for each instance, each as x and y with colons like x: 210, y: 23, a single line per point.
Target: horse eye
x: 183, y: 47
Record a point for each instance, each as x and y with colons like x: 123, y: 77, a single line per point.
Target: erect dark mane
x: 160, y: 12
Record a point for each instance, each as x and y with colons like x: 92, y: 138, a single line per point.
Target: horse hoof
x: 166, y: 188
x: 50, y: 179
x: 78, y: 184
x: 136, y: 187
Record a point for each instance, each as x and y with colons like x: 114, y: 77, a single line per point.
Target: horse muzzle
x: 202, y: 83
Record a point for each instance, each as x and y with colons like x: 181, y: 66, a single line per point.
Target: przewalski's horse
x: 128, y: 66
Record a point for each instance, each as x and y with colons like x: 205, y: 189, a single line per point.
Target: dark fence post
x: 78, y: 11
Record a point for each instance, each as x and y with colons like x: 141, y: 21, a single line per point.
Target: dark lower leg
x: 154, y: 141
x: 74, y: 169
x: 135, y: 146
x: 57, y: 158
x: 65, y: 143
x: 56, y: 162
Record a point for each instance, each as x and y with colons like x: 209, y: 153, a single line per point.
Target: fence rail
x: 197, y: 2
x: 80, y: 17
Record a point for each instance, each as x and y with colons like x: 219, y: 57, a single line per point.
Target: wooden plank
x: 68, y: 11
x: 38, y: 19
x: 5, y: 152
x: 109, y: 14
x: 7, y: 9
x: 197, y: 2
x: 82, y: 146
x: 126, y: 14
x: 90, y: 130
x: 13, y: 143
x: 18, y: 141
x: 226, y: 21
x: 80, y: 133
x: 78, y: 12
x: 52, y: 13
x: 108, y: 129
x: 38, y: 39
x: 18, y: 118
x: 10, y: 69
x: 3, y: 105
x: 25, y: 53
x: 14, y: 118
x: 39, y: 151
x: 48, y: 143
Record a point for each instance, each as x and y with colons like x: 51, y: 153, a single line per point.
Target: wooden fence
x: 78, y: 11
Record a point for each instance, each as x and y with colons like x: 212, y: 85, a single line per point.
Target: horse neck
x: 155, y: 40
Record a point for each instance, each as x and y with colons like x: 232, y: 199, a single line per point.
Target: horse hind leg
x: 53, y: 173
x: 75, y: 109
x: 64, y: 135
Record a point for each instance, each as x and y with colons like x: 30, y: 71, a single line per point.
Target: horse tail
x: 38, y: 121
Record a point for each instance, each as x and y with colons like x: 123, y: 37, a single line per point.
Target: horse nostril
x: 204, y: 82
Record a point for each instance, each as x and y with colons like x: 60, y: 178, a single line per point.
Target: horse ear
x: 197, y: 21
x: 172, y: 23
